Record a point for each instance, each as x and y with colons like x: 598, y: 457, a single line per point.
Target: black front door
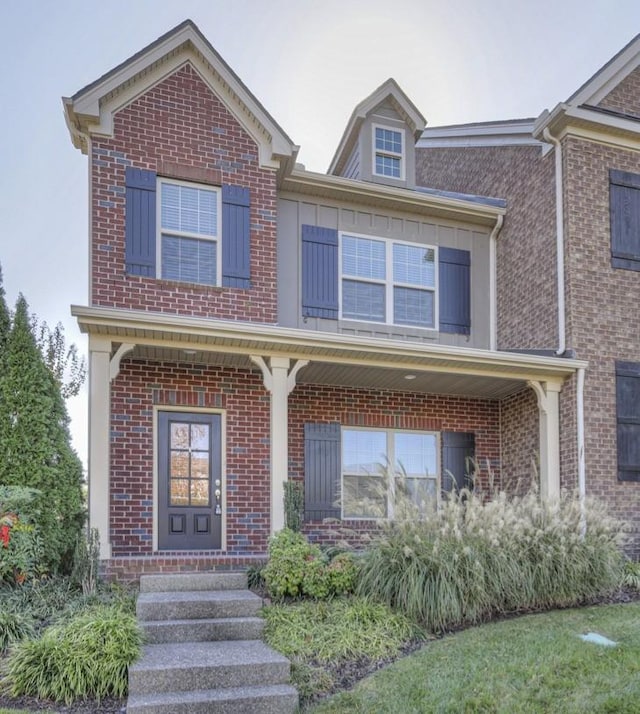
x: 189, y: 481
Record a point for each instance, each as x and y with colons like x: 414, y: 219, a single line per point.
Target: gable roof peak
x: 91, y: 109
x: 390, y: 91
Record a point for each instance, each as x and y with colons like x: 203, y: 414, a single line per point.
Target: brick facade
x: 625, y: 97
x: 526, y: 259
x: 601, y: 321
x: 180, y: 129
x: 241, y: 397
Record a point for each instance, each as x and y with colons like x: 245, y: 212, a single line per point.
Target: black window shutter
x: 321, y: 471
x: 236, y: 233
x: 458, y: 449
x: 140, y: 222
x: 319, y: 272
x: 455, y: 290
x: 628, y: 420
x: 624, y: 210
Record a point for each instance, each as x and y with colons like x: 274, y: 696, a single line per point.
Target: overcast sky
x: 308, y: 61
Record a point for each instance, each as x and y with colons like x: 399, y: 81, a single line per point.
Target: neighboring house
x: 571, y: 179
x: 251, y: 322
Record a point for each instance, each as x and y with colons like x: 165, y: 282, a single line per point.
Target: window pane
x: 413, y: 307
x: 200, y: 437
x: 189, y: 260
x: 414, y: 265
x: 179, y: 492
x: 364, y: 497
x: 189, y: 209
x: 179, y: 436
x: 419, y: 491
x: 180, y: 464
x: 199, y: 464
x: 363, y: 301
x: 200, y: 492
x: 388, y: 140
x: 388, y: 166
x: 416, y: 454
x: 363, y: 258
x: 363, y: 452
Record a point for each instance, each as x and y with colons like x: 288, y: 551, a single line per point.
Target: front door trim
x: 223, y: 467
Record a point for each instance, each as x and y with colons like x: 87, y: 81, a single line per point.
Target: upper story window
x: 388, y: 152
x: 388, y: 281
x: 379, y: 465
x: 189, y: 233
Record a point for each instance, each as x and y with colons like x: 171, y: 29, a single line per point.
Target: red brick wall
x: 625, y: 97
x: 390, y: 410
x: 180, y: 128
x: 141, y: 385
x: 603, y: 324
x: 526, y: 252
x: 520, y: 439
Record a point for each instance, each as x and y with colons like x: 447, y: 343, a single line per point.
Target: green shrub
x: 289, y: 554
x: 474, y: 558
x: 293, y: 505
x: 631, y: 575
x: 21, y: 550
x: 296, y: 568
x: 337, y: 630
x: 316, y: 581
x: 14, y: 626
x: 86, y: 657
x: 342, y: 572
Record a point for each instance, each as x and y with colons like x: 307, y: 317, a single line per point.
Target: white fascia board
x: 566, y: 119
x: 500, y: 133
x: 353, y: 190
x: 298, y: 342
x: 609, y: 76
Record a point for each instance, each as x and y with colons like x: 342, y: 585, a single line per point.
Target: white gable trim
x: 91, y: 111
x: 607, y: 78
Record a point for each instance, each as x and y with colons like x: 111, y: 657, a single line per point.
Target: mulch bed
x: 345, y: 675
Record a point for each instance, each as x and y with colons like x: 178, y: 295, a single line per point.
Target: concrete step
x: 274, y: 699
x: 211, y: 629
x: 176, y: 582
x: 203, y: 604
x: 187, y: 666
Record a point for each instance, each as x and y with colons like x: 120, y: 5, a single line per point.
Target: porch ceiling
x: 333, y: 358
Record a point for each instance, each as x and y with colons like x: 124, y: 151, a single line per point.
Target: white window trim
x: 389, y: 282
x: 392, y: 154
x: 391, y: 459
x: 217, y: 239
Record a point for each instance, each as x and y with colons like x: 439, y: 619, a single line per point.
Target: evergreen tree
x: 35, y: 444
x: 5, y: 323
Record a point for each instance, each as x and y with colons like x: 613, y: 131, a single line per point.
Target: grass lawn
x: 532, y: 664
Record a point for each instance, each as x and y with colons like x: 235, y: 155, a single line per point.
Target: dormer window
x: 388, y: 147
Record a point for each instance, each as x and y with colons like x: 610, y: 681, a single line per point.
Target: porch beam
x: 99, y: 410
x: 547, y: 394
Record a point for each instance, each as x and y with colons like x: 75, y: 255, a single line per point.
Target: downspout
x: 582, y: 481
x: 582, y: 486
x: 562, y: 346
x: 493, y: 283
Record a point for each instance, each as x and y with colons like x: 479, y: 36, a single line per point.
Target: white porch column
x: 547, y: 394
x: 279, y: 381
x: 99, y: 399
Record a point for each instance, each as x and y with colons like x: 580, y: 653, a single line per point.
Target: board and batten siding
x: 293, y: 214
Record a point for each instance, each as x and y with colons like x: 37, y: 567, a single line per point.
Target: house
x: 252, y: 322
x: 571, y: 179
